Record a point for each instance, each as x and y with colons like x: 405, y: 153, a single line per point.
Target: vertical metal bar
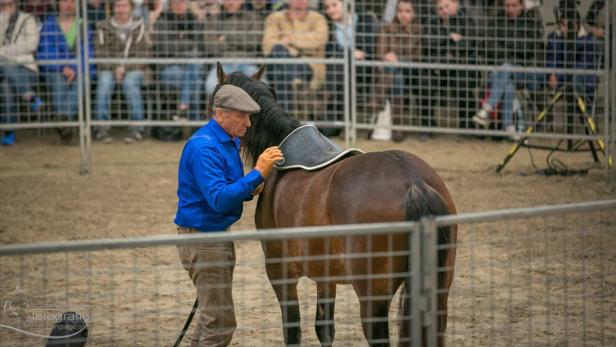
x: 415, y: 283
x: 611, y: 38
x: 351, y: 128
x: 85, y: 138
x: 606, y: 79
x: 345, y: 65
x: 429, y: 279
x: 80, y: 82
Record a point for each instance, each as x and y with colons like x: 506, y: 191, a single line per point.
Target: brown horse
x: 368, y: 188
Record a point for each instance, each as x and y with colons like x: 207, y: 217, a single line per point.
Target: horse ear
x: 220, y: 73
x: 257, y: 75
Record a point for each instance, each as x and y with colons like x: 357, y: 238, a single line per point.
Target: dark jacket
x: 364, y: 39
x: 404, y: 41
x: 178, y: 36
x: 516, y: 41
x: 242, y: 33
x: 437, y: 45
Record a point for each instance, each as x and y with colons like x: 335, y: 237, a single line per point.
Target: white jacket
x: 21, y: 44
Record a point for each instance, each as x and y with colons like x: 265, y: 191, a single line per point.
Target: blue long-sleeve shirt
x: 53, y: 46
x: 211, y: 183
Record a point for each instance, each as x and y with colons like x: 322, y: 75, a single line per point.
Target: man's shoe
x: 8, y: 139
x: 103, y: 137
x: 133, y: 137
x: 513, y: 134
x: 483, y: 116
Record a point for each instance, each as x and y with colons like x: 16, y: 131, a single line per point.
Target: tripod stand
x: 590, y: 128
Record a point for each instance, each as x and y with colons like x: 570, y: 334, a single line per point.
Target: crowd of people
x: 40, y: 51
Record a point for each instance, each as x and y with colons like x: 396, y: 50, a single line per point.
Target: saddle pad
x: 306, y: 148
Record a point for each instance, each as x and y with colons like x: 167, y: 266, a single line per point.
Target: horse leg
x: 375, y: 320
x: 324, y: 322
x: 289, y: 305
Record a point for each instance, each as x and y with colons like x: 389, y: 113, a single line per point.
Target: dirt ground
x: 543, y: 281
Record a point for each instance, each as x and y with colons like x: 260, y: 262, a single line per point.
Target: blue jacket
x: 52, y: 46
x: 212, y: 187
x: 584, y: 52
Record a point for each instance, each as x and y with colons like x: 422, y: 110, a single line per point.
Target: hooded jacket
x: 19, y: 39
x: 111, y: 41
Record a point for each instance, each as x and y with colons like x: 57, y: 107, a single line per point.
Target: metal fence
x: 531, y: 276
x: 415, y: 67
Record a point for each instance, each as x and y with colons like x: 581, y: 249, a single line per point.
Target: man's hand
x: 391, y: 57
x: 119, y: 73
x: 267, y: 159
x: 553, y: 81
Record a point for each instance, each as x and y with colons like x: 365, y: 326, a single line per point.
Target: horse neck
x: 268, y: 129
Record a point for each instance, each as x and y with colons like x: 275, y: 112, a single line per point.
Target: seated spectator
x: 121, y: 37
x: 295, y: 33
x: 58, y: 42
x: 205, y: 9
x: 261, y: 7
x: 178, y: 34
x: 358, y: 29
x: 398, y: 42
x: 19, y: 39
x: 572, y: 47
x: 514, y: 40
x: 234, y: 33
x: 449, y: 38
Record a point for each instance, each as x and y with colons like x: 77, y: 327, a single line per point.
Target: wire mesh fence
x: 445, y: 66
x: 513, y: 285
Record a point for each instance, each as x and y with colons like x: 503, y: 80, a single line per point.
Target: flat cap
x: 235, y: 98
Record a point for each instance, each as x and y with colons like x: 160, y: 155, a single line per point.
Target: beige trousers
x: 210, y: 267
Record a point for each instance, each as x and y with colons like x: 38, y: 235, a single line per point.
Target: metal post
x: 84, y: 89
x: 346, y: 86
x: 352, y: 107
x: 415, y: 281
x: 611, y: 45
x: 429, y: 279
x: 607, y: 83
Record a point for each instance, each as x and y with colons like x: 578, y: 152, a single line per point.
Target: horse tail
x: 422, y: 200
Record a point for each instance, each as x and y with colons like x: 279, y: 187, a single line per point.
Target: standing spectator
x: 19, y: 38
x: 122, y: 37
x: 357, y: 32
x: 398, y: 42
x: 211, y: 192
x: 234, y: 33
x: 572, y: 47
x: 178, y: 34
x: 295, y: 33
x: 59, y: 43
x: 514, y: 41
x: 449, y: 38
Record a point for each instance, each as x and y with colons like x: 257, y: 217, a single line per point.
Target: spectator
x: 514, y: 40
x: 398, y: 42
x: 178, y: 34
x: 19, y: 39
x: 572, y: 47
x: 262, y: 8
x: 59, y: 43
x: 449, y: 38
x: 234, y: 33
x: 122, y: 37
x: 205, y: 9
x: 359, y: 30
x: 295, y: 33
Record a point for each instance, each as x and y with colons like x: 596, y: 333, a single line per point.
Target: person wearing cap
x: 212, y: 188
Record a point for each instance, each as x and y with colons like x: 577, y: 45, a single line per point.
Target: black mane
x: 270, y: 126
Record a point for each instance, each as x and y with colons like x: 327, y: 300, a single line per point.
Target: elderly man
x: 211, y: 192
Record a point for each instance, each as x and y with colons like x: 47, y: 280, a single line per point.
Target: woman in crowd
x: 355, y: 31
x: 121, y: 37
x: 514, y: 40
x: 58, y: 53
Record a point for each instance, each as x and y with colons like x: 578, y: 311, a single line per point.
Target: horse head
x: 271, y: 125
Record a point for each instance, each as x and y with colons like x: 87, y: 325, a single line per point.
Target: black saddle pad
x: 306, y: 148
